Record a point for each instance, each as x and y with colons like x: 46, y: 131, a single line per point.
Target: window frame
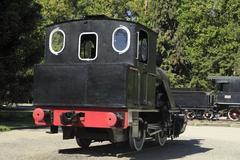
x: 79, y: 46
x: 139, y: 57
x: 128, y: 39
x: 50, y: 41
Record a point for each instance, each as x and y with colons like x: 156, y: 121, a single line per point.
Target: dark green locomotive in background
x: 100, y: 81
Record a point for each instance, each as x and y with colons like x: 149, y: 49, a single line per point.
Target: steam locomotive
x: 223, y: 101
x: 100, y: 82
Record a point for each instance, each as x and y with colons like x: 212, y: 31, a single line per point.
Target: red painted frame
x: 100, y: 118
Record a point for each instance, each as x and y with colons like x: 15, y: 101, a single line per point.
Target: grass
x: 4, y: 128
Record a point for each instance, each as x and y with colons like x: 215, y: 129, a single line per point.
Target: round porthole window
x: 121, y: 39
x: 56, y: 41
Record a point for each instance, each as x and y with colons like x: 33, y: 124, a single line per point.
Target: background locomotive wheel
x: 83, y: 143
x: 208, y: 115
x: 161, y: 138
x: 136, y: 143
x: 234, y: 114
x: 191, y: 115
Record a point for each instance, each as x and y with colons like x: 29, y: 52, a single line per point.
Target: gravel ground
x: 214, y: 143
x: 219, y: 123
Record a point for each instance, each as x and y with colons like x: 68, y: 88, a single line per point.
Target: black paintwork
x: 226, y: 84
x: 104, y: 29
x: 227, y: 90
x: 126, y: 81
x: 189, y: 99
x: 227, y: 93
x: 111, y: 80
x: 81, y: 85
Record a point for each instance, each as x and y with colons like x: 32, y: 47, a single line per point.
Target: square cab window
x: 88, y: 46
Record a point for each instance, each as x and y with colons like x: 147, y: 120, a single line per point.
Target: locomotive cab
x: 85, y: 68
x: 227, y: 90
x: 100, y: 82
x: 227, y: 95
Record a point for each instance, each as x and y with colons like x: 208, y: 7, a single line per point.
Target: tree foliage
x: 196, y: 38
x: 18, y: 48
x: 209, y: 33
x: 60, y: 10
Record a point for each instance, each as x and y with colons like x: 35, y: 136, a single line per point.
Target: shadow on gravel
x: 172, y: 150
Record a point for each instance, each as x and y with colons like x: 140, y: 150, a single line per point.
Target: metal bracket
x: 135, y: 124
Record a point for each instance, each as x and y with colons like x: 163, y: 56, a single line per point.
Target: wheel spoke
x: 191, y: 115
x: 208, y: 115
x: 234, y: 114
x: 161, y: 138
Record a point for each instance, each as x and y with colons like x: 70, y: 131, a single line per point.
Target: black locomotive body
x: 102, y: 84
x: 223, y: 101
x: 196, y: 104
x: 227, y: 95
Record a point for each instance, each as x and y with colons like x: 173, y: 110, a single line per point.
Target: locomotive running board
x: 174, y: 111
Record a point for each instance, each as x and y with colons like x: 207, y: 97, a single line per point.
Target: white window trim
x: 50, y: 41
x: 137, y: 57
x: 79, y: 46
x: 128, y: 39
x: 147, y: 44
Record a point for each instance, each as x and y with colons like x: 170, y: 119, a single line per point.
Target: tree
x: 55, y: 11
x: 18, y: 48
x: 197, y: 38
x: 210, y: 32
x: 161, y: 16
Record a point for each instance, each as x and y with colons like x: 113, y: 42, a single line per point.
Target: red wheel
x: 191, y: 115
x: 234, y: 114
x: 208, y: 115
